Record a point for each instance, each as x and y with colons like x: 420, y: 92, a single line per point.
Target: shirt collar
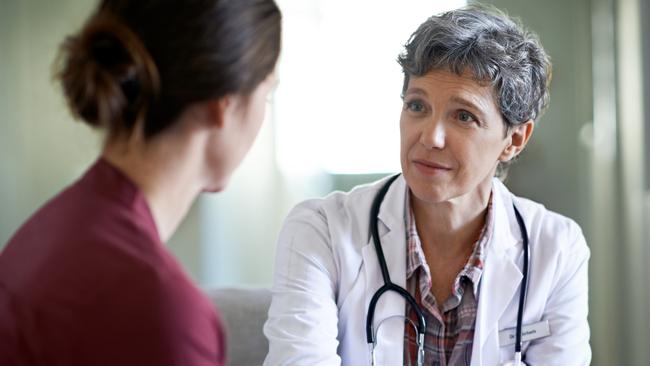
x: 107, y: 180
x: 473, y: 268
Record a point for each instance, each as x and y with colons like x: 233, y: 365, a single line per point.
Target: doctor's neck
x: 453, y: 226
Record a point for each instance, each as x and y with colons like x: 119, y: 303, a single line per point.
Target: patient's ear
x: 218, y: 110
x: 518, y: 137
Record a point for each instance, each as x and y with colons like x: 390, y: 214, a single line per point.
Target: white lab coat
x: 327, y: 271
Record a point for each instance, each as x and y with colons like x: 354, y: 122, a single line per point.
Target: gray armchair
x: 243, y: 312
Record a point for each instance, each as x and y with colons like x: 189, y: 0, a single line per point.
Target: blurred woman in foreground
x: 180, y: 88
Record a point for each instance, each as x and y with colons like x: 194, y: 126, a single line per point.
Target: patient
x: 179, y: 87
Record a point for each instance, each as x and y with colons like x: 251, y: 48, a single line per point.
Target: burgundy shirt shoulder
x: 86, y: 280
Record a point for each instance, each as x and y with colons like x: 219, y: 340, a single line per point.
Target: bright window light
x: 337, y: 107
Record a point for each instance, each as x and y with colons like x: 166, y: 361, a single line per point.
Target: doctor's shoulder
x: 553, y: 234
x: 339, y: 219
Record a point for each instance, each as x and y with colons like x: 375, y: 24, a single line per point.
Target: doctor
x: 472, y: 256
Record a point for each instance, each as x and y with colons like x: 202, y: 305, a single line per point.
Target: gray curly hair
x: 494, y: 48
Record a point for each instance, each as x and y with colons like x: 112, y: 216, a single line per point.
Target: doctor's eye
x: 414, y: 106
x: 465, y: 116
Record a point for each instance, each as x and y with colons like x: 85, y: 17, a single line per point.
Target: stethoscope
x: 420, y: 328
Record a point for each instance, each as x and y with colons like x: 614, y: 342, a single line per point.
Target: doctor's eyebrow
x: 417, y: 91
x: 476, y: 106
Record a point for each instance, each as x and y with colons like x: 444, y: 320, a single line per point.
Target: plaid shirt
x: 450, y: 333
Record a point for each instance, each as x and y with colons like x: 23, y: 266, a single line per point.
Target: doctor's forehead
x: 463, y: 89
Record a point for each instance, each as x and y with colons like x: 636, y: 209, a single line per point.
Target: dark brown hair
x: 149, y: 59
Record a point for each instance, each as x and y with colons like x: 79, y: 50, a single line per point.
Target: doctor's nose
x: 432, y: 135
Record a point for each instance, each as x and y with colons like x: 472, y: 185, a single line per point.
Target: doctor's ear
x: 518, y: 137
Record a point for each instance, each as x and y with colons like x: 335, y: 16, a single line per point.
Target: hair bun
x: 108, y: 76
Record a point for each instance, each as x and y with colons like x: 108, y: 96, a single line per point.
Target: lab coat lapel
x: 390, y: 338
x: 500, y: 279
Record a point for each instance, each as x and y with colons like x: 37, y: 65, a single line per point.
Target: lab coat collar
x: 506, y: 230
x: 392, y: 210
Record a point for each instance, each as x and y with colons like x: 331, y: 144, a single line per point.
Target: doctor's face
x: 452, y: 136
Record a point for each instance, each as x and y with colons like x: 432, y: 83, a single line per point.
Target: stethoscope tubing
x: 388, y: 284
x: 524, y: 281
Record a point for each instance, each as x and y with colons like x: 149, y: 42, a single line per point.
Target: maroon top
x: 87, y: 281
